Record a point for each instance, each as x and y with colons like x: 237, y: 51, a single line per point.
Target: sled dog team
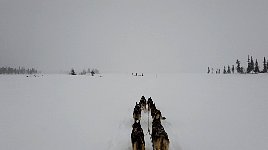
x: 159, y: 137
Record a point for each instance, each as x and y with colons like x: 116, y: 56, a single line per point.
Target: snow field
x: 54, y: 112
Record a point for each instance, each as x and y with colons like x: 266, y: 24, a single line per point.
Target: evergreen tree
x: 252, y: 64
x: 10, y: 70
x: 267, y: 66
x: 229, y: 69
x: 248, y: 68
x: 224, y: 70
x: 238, y: 67
x: 233, y: 69
x: 257, y: 70
x: 242, y: 70
x: 264, y: 66
x: 208, y: 70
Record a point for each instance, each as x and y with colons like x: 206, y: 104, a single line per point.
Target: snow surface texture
x: 63, y: 112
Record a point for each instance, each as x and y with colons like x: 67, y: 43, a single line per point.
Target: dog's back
x: 137, y: 146
x: 137, y: 140
x: 161, y: 143
x: 159, y: 136
x: 149, y: 103
x: 143, y: 103
x: 137, y: 112
x: 137, y: 137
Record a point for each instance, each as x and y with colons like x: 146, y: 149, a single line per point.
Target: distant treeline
x: 84, y: 72
x: 20, y: 70
x: 253, y: 67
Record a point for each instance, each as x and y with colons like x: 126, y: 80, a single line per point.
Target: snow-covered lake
x: 63, y: 112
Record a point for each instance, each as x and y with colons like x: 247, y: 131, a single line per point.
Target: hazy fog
x: 131, y: 35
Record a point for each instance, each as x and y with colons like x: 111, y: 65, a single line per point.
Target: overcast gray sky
x: 131, y: 35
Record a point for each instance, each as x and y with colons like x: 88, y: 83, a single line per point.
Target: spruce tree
x: 267, y: 66
x: 257, y: 70
x: 238, y: 67
x: 252, y: 64
x: 242, y: 70
x: 264, y: 66
x: 224, y: 70
x: 249, y: 65
x: 229, y: 70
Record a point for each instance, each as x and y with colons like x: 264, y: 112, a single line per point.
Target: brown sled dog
x: 159, y: 136
x: 137, y: 137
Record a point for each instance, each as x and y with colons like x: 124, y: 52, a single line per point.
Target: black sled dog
x: 137, y: 137
x: 137, y: 112
x: 143, y: 103
x: 159, y: 136
x: 149, y: 103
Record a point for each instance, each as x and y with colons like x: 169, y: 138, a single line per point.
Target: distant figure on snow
x: 92, y: 73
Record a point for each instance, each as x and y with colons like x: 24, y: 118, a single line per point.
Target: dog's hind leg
x: 165, y: 144
x: 157, y: 144
x: 143, y: 147
x: 134, y: 146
